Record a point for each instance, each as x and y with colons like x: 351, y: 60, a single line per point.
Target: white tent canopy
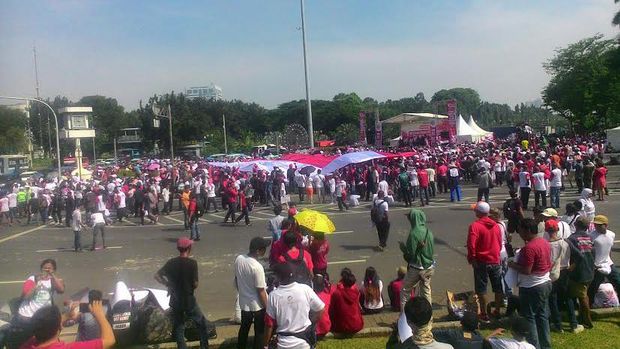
x: 414, y: 118
x: 472, y: 123
x: 613, y: 137
x: 465, y: 133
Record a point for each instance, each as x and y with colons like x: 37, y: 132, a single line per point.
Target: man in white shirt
x: 319, y: 187
x: 12, y: 196
x: 540, y: 187
x: 251, y: 285
x: 76, y: 224
x: 603, y: 240
x: 524, y: 185
x: 564, y: 230
x: 98, y: 221
x: 555, y: 184
x: 381, y: 221
x: 4, y: 210
x: 119, y: 201
x: 289, y: 308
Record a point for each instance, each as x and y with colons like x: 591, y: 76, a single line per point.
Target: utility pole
x: 308, y: 101
x: 170, y: 130
x: 224, y: 126
x: 36, y: 78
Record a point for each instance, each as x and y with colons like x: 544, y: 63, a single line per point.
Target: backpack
x: 375, y: 216
x: 509, y: 210
x: 301, y: 274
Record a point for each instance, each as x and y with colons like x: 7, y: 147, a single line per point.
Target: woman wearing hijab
x: 587, y: 205
x: 418, y: 252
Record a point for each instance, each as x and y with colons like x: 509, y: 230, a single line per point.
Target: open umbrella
x: 154, y: 166
x: 307, y: 170
x: 315, y: 221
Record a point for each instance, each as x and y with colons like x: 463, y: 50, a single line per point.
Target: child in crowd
x: 319, y: 248
x: 323, y: 289
x: 372, y: 288
x: 394, y: 288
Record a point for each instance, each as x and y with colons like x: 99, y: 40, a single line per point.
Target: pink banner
x: 362, y: 138
x: 451, y: 111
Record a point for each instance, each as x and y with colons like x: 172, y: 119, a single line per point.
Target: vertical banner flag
x: 451, y: 109
x: 433, y: 139
x: 362, y: 139
x: 378, y: 131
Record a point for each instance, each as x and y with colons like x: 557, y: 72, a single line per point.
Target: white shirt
x: 539, y: 181
x: 250, y: 275
x: 332, y: 185
x: 382, y: 206
x: 12, y: 200
x: 41, y: 297
x: 509, y: 343
x: 290, y: 306
x: 97, y: 218
x: 318, y: 180
x: 413, y: 175
x: 556, y: 178
x: 384, y: 186
x: 4, y: 204
x: 376, y: 304
x: 602, y: 248
x: 524, y: 179
x: 76, y: 222
x: 165, y: 194
x: 121, y: 199
x: 564, y: 230
x: 210, y: 190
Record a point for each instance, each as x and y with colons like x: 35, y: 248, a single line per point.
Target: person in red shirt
x: 345, y: 311
x: 319, y: 248
x: 293, y: 250
x: 395, y: 287
x: 442, y: 173
x: 323, y: 289
x: 484, y: 242
x: 231, y: 196
x: 47, y: 321
x: 243, y: 202
x: 424, y: 185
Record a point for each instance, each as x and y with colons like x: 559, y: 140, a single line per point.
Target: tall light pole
x: 55, y: 120
x: 308, y: 101
x: 225, y: 140
x: 162, y: 114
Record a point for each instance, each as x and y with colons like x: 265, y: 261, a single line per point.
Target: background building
x: 209, y: 92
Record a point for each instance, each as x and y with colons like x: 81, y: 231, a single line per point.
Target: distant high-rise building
x: 209, y: 92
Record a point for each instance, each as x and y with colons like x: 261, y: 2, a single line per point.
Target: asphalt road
x: 135, y: 253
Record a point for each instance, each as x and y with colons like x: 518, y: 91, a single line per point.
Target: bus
x: 13, y: 164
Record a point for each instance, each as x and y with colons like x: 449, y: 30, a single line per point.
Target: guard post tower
x: 76, y: 125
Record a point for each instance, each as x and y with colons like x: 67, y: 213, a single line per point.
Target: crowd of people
x: 292, y: 300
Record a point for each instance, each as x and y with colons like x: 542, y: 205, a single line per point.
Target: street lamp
x: 55, y: 121
x: 163, y: 113
x: 308, y: 101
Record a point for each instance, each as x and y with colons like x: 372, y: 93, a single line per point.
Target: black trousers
x: 405, y: 193
x: 525, y: 196
x: 247, y: 318
x: 230, y: 213
x: 538, y: 195
x: 443, y: 184
x: 383, y: 231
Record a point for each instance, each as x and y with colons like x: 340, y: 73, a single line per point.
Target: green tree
x: 583, y: 88
x: 346, y: 134
x: 13, y: 132
x: 616, y: 20
x: 467, y: 100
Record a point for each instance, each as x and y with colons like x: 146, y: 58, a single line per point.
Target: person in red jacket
x: 243, y: 202
x: 231, y: 196
x: 345, y: 311
x: 424, y: 185
x: 323, y: 289
x: 319, y: 248
x: 484, y: 243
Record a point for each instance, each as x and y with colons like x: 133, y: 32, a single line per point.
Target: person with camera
x: 47, y: 324
x: 88, y: 326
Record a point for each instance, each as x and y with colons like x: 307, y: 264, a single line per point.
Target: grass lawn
x: 605, y: 335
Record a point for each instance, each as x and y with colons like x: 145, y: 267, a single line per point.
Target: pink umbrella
x: 153, y: 167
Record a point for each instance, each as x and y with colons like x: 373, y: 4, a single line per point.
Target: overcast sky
x: 131, y: 50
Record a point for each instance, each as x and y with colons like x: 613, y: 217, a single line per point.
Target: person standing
x: 165, y: 195
x: 442, y: 175
x: 513, y: 211
x: 431, y: 180
x: 540, y: 187
x: 319, y: 186
x: 533, y: 265
x: 404, y: 186
x: 579, y: 173
x: 525, y: 185
x: 231, y: 196
x: 341, y: 193
x: 251, y: 285
x: 288, y: 312
x: 581, y: 268
x: 12, y: 197
x: 484, y: 184
x: 555, y: 184
x: 603, y: 240
x: 98, y: 221
x: 193, y: 213
x: 484, y: 243
x: 76, y: 224
x: 180, y: 276
x: 424, y: 185
x: 244, y: 203
x: 418, y: 252
x: 381, y: 220
x: 120, y: 203
x: 454, y: 182
x: 211, y: 196
x: 4, y: 210
x: 600, y: 180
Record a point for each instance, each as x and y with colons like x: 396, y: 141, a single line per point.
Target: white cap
x: 483, y: 207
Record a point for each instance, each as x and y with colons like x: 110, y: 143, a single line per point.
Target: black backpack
x: 509, y: 209
x: 301, y: 274
x: 374, y: 212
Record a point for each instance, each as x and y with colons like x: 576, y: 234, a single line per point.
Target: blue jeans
x: 194, y: 229
x: 559, y: 296
x: 555, y: 197
x: 178, y: 325
x: 455, y: 193
x: 534, y: 307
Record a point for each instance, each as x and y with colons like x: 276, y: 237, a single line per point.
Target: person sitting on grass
x: 467, y: 337
x: 47, y: 324
x: 395, y: 286
x: 520, y: 329
x: 345, y: 311
x: 323, y: 289
x: 372, y: 288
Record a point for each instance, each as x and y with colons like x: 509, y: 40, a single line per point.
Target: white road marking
x: 68, y: 249
x: 173, y: 219
x: 11, y: 282
x: 347, y: 262
x: 15, y: 236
